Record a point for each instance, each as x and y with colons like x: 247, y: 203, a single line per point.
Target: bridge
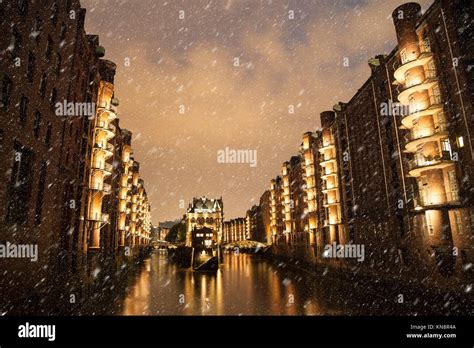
x: 162, y: 244
x: 246, y: 245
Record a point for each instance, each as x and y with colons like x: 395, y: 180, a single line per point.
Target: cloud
x: 190, y: 63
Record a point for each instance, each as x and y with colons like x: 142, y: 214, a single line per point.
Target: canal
x: 251, y: 285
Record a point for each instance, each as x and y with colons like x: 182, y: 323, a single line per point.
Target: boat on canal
x: 205, y: 254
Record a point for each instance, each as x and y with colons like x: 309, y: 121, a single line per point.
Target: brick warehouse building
x: 50, y: 164
x: 418, y: 205
x: 434, y: 77
x: 235, y: 230
x: 395, y: 162
x: 266, y: 214
x: 276, y: 210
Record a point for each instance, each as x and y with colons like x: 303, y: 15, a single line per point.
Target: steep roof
x: 204, y: 204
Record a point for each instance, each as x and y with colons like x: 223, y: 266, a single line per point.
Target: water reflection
x: 248, y: 285
x: 244, y: 285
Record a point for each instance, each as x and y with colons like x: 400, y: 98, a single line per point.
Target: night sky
x: 168, y: 64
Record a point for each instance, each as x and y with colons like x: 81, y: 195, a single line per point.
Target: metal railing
x: 110, y: 109
x: 423, y: 161
x: 103, y: 166
x: 431, y: 101
x: 107, y: 188
x: 420, y: 133
x: 327, y: 158
x: 325, y: 187
x: 423, y: 47
x: 106, y: 125
x: 328, y: 143
x: 328, y: 222
x: 329, y: 172
x: 429, y: 75
x: 99, y: 217
x: 432, y: 199
x: 96, y: 186
x: 105, y: 146
x: 325, y: 202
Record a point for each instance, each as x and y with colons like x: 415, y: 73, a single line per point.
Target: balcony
x: 326, y: 145
x: 327, y: 161
x: 426, y: 107
x: 123, y: 194
x: 110, y: 109
x: 106, y: 147
x: 424, y: 57
x: 414, y: 86
x: 329, y: 222
x: 421, y: 163
x: 105, y: 188
x: 327, y: 204
x: 328, y: 173
x: 100, y: 217
x: 107, y: 168
x: 420, y: 136
x: 326, y: 189
x: 309, y: 172
x: 109, y: 129
x: 431, y: 200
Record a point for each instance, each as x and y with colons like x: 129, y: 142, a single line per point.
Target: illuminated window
x: 429, y: 225
x: 403, y: 56
x: 446, y: 146
x: 460, y: 142
x: 457, y: 221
